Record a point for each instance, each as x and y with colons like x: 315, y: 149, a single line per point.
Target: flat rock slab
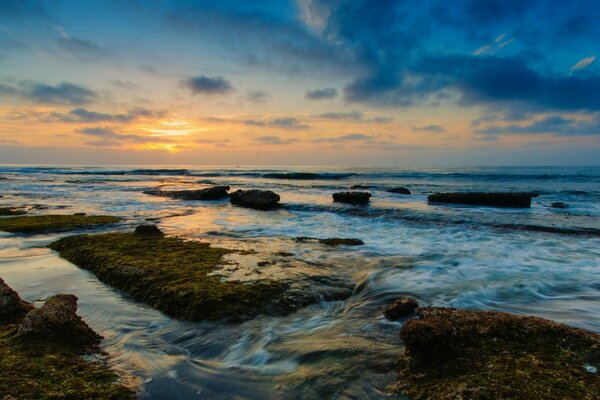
x: 460, y: 354
x: 352, y: 197
x: 177, y: 277
x: 515, y: 200
x: 53, y: 222
x: 212, y: 193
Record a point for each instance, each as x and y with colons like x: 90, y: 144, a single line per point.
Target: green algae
x: 458, y: 354
x: 53, y: 222
x: 174, y: 276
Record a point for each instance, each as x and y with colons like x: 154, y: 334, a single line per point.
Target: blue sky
x: 303, y: 82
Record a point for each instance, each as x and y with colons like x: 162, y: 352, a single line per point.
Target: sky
x: 300, y: 82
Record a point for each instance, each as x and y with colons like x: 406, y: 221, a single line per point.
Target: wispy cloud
x: 271, y: 139
x: 207, y: 85
x: 321, y: 94
x: 429, y: 128
x: 583, y: 63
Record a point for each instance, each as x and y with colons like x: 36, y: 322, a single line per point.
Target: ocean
x: 540, y: 261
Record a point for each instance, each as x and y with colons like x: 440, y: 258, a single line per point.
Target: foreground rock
x: 42, y: 354
x: 254, y: 198
x: 352, y: 197
x: 53, y: 223
x: 499, y: 199
x: 12, y: 308
x: 333, y: 242
x: 400, y: 308
x: 399, y: 190
x: 459, y: 354
x: 176, y: 277
x: 212, y: 193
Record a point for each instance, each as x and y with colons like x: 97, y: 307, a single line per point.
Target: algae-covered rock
x: 352, y: 197
x: 42, y: 358
x: 175, y: 276
x: 12, y: 308
x: 211, y: 193
x: 53, y: 222
x: 400, y: 308
x: 559, y: 204
x: 57, y: 319
x: 399, y: 190
x: 498, y: 199
x: 254, y: 198
x: 459, y: 354
x: 148, y: 229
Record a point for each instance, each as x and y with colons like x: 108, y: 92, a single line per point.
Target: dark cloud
x: 63, y: 94
x: 207, y: 85
x: 270, y: 139
x: 429, y: 128
x: 554, y: 124
x: 257, y: 96
x: 320, y: 94
x: 282, y: 123
x: 87, y: 116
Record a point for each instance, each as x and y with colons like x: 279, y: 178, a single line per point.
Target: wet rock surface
x: 7, y: 211
x: 559, y: 204
x: 399, y: 190
x: 460, y: 354
x: 352, y: 197
x: 400, y: 308
x: 498, y: 199
x: 254, y: 198
x: 333, y: 242
x: 148, y: 229
x: 212, y: 193
x: 53, y: 222
x: 12, y: 308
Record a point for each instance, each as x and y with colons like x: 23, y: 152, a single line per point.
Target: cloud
x: 62, y: 94
x: 583, y: 63
x: 206, y: 85
x: 320, y: 94
x: 270, y: 139
x: 555, y: 124
x: 87, y: 116
x: 282, y: 123
x: 104, y: 136
x: 257, y: 96
x: 350, y: 137
x: 78, y: 48
x: 355, y: 116
x: 429, y: 128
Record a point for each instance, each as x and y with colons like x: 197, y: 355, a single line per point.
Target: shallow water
x: 467, y: 257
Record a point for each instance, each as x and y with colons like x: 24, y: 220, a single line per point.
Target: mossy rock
x: 53, y: 222
x: 459, y: 354
x: 174, y: 276
x: 9, y: 211
x: 53, y: 367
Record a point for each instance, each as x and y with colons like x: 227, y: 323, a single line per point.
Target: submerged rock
x: 352, y: 197
x: 399, y: 190
x: 58, y: 319
x: 498, y: 199
x: 559, y: 204
x: 334, y: 242
x: 7, y: 211
x: 254, y: 198
x: 148, y: 229
x: 211, y: 193
x: 460, y: 354
x: 12, y: 308
x: 361, y: 187
x: 400, y: 308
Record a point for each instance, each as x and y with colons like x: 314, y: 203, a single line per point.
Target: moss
x: 458, y: 354
x: 173, y: 276
x: 4, y: 211
x: 53, y: 223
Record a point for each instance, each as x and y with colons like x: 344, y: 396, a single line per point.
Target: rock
x: 58, y: 319
x: 400, y: 308
x: 399, y: 190
x: 498, y: 199
x: 211, y: 193
x: 254, y: 198
x: 460, y: 354
x: 331, y: 241
x: 352, y: 197
x: 361, y: 187
x: 559, y: 204
x: 12, y: 308
x: 6, y: 211
x: 148, y: 229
